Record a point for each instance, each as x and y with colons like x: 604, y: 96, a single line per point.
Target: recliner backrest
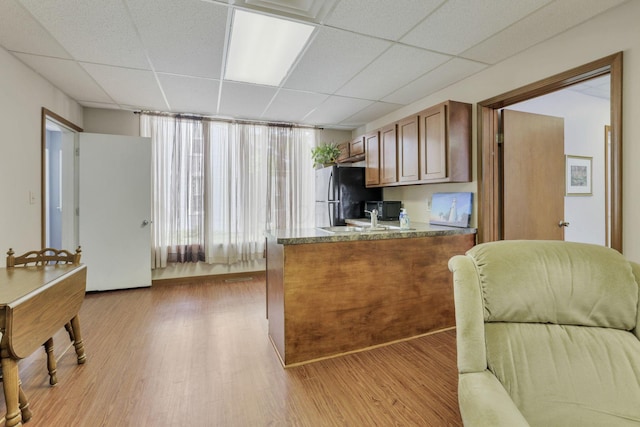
x: 556, y: 282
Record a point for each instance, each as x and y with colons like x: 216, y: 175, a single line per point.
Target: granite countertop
x: 316, y: 235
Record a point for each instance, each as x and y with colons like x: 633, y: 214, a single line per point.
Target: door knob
x: 563, y: 224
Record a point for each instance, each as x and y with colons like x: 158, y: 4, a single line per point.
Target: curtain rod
x: 214, y: 119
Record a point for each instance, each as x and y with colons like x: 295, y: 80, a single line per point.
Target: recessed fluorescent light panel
x: 263, y: 48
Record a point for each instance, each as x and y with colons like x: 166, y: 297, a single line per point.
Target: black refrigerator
x: 340, y: 194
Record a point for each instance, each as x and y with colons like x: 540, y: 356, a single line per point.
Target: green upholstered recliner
x: 548, y: 334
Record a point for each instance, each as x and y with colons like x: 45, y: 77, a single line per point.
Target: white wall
x: 113, y: 122
x: 584, y: 120
x: 611, y: 32
x: 23, y: 93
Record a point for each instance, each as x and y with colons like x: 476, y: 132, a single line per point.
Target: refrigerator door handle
x: 330, y: 187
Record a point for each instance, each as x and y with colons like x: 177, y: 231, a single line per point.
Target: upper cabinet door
x: 433, y: 143
x: 372, y: 159
x: 408, y: 160
x: 356, y: 146
x: 445, y: 143
x: 388, y: 155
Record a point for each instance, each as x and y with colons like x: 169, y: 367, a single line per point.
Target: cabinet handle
x: 563, y: 224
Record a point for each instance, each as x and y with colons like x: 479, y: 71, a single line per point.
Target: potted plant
x: 325, y: 154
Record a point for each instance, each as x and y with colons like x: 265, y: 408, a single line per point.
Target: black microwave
x: 387, y: 210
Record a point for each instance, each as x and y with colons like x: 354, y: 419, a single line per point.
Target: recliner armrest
x: 472, y: 353
x: 485, y: 403
x: 635, y: 267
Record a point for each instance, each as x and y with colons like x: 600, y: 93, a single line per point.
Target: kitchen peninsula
x: 331, y: 293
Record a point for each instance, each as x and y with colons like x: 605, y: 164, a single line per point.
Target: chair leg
x: 51, y: 362
x: 69, y: 329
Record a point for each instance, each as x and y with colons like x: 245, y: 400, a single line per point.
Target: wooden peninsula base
x: 329, y: 298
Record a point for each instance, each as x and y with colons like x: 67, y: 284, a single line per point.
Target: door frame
x: 490, y: 203
x: 45, y: 115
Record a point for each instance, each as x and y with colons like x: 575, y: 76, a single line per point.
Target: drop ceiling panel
x: 292, y: 105
x: 460, y: 24
x: 179, y: 91
x: 545, y: 23
x: 443, y: 76
x: 381, y: 18
x: 63, y: 73
x: 182, y: 40
x: 19, y: 32
x: 333, y: 58
x: 370, y: 113
x: 392, y: 70
x: 245, y: 101
x: 92, y: 30
x: 335, y: 109
x: 137, y: 88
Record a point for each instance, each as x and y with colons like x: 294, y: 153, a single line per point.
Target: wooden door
x: 388, y: 155
x: 372, y: 159
x: 115, y: 210
x: 533, y: 176
x: 408, y: 149
x: 433, y: 143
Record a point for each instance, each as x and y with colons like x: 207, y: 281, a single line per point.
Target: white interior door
x: 115, y: 210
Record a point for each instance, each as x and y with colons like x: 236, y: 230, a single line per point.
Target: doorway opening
x: 59, y: 182
x: 491, y: 168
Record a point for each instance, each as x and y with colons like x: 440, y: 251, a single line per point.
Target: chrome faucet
x: 374, y: 217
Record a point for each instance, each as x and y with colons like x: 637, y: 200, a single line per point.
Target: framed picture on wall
x: 452, y: 209
x: 578, y: 175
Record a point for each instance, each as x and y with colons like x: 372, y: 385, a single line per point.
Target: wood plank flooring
x: 197, y: 354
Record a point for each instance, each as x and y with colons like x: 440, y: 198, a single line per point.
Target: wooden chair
x: 48, y: 256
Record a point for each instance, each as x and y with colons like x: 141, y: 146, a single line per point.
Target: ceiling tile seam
x: 451, y: 58
x: 383, y: 38
x: 423, y: 19
x: 40, y: 55
x: 514, y: 23
x: 45, y: 29
x: 329, y: 13
x: 67, y: 60
x: 146, y: 54
x: 339, y: 96
x: 366, y: 66
x: 225, y: 50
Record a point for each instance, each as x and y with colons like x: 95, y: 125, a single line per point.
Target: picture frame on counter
x: 451, y: 209
x: 578, y: 175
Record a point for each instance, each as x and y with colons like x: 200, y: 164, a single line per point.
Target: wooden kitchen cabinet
x: 408, y: 161
x: 445, y: 143
x: 389, y: 155
x: 344, y: 152
x: 372, y: 159
x: 356, y: 146
x: 432, y: 146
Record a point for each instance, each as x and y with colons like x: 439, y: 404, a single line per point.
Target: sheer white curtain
x: 178, y: 188
x: 219, y: 185
x: 291, y: 181
x: 236, y: 192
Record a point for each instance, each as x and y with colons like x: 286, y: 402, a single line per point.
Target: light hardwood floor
x: 198, y: 354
